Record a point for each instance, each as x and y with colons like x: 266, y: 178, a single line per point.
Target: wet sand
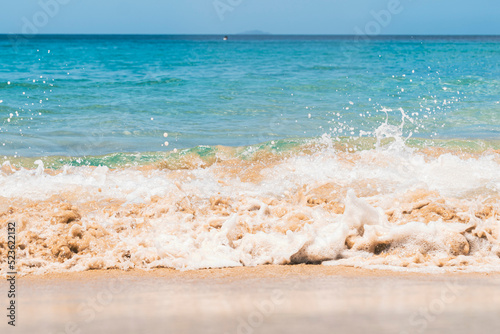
x: 264, y: 299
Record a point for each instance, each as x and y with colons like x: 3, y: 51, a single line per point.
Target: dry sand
x: 265, y: 299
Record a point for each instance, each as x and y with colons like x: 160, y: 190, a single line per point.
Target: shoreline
x: 241, y: 273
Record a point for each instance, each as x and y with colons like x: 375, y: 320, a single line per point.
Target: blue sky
x: 235, y: 16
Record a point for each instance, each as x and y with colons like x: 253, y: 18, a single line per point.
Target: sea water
x: 194, y: 152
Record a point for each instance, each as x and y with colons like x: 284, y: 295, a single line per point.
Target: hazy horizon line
x: 247, y: 34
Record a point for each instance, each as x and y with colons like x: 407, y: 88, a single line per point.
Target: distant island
x: 254, y: 32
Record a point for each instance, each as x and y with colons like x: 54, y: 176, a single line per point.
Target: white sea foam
x: 390, y: 207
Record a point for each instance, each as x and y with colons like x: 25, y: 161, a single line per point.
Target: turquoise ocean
x: 193, y: 152
x: 97, y: 95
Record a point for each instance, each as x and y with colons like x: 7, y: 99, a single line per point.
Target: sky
x: 369, y: 17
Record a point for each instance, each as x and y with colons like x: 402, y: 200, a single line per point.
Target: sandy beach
x: 263, y: 299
